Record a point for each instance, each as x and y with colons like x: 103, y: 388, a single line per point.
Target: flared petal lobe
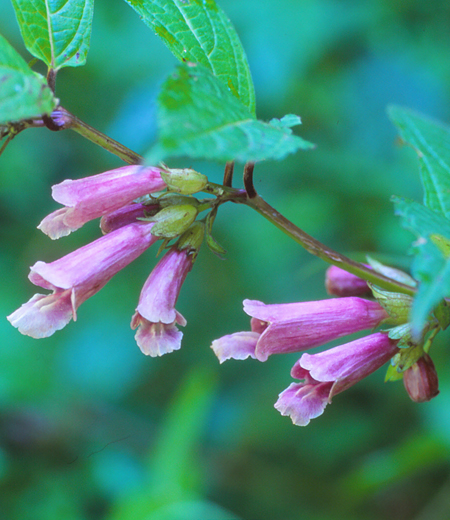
x: 239, y: 345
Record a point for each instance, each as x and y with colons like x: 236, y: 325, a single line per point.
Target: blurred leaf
x: 193, y: 510
x: 200, y: 32
x: 173, y: 474
x: 199, y: 117
x: 56, y: 32
x: 23, y: 93
x: 413, y: 456
x: 431, y: 140
x: 431, y: 266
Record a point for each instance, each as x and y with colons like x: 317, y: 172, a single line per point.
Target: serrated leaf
x: 23, y: 93
x: 287, y: 121
x: 431, y: 140
x: 57, y: 32
x: 199, y: 117
x: 431, y: 267
x: 200, y: 32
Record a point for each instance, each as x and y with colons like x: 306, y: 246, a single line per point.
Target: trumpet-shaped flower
x: 293, y: 327
x: 331, y: 372
x: 76, y: 277
x: 156, y: 316
x: 92, y: 197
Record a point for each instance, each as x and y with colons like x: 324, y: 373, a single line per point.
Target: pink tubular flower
x: 293, y: 327
x: 342, y: 283
x: 76, y: 277
x: 155, y: 314
x: 92, y: 197
x: 331, y: 372
x: 125, y: 215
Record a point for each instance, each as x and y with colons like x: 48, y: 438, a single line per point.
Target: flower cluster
x: 128, y: 232
x: 295, y: 327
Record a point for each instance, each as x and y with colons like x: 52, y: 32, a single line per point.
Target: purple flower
x: 92, y: 197
x: 126, y: 215
x: 293, y: 327
x: 76, y: 277
x: 156, y: 315
x: 339, y: 282
x: 331, y: 372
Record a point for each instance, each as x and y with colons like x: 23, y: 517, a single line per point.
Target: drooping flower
x: 76, y: 277
x: 421, y: 380
x: 156, y: 316
x: 330, y: 372
x: 339, y: 282
x: 95, y: 196
x: 293, y: 327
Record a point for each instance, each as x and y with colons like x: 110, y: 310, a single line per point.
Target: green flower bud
x: 173, y: 220
x: 184, y: 181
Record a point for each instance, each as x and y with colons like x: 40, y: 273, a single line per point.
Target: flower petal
x: 43, y: 314
x: 156, y: 339
x: 303, y: 401
x: 239, y: 345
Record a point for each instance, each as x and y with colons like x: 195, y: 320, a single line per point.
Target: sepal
x: 397, y: 305
x: 185, y: 181
x: 192, y: 239
x: 172, y: 221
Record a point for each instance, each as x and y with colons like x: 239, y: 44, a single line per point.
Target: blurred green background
x: 92, y: 429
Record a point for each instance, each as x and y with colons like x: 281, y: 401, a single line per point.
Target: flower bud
x: 339, y: 282
x: 126, y: 215
x: 421, y: 380
x: 173, y: 220
x: 185, y: 181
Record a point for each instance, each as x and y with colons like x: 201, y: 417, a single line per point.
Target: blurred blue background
x: 92, y: 429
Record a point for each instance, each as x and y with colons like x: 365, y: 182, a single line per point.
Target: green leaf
x: 199, y: 117
x: 198, y: 31
x: 173, y: 475
x: 431, y: 266
x: 56, y: 31
x: 23, y: 93
x: 431, y: 140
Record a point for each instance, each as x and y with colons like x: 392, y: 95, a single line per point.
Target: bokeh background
x: 92, y: 429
